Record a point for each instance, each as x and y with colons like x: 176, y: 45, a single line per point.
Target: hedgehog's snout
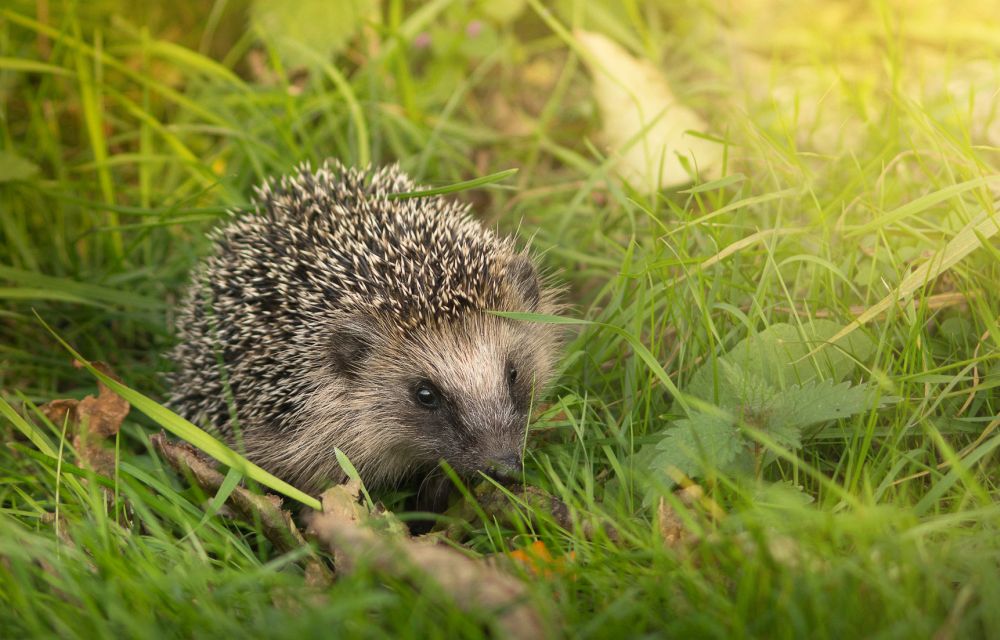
x: 504, y: 467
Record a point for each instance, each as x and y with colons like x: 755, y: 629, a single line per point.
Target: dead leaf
x: 676, y: 533
x: 59, y: 524
x: 104, y: 414
x: 643, y: 122
x: 91, y: 421
x: 57, y: 410
x: 672, y: 528
x: 539, y: 561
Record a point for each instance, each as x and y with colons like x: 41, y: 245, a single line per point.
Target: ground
x: 789, y: 300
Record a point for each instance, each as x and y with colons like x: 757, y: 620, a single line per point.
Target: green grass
x: 854, y: 182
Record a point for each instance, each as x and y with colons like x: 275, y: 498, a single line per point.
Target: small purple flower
x: 422, y: 40
x: 474, y: 28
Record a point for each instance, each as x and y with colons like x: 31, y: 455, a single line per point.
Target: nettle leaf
x: 801, y: 406
x: 320, y: 26
x: 778, y: 357
x: 786, y: 434
x: 696, y: 444
x: 767, y: 382
x: 751, y: 395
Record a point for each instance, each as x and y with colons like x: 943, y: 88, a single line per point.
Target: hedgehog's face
x: 465, y: 390
x: 459, y: 391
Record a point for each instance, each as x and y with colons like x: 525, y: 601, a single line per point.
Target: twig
x: 276, y: 523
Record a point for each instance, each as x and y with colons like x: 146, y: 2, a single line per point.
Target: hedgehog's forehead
x: 473, y: 364
x: 469, y: 351
x: 433, y: 319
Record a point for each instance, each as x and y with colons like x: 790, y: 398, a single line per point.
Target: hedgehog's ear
x: 350, y: 344
x: 524, y: 278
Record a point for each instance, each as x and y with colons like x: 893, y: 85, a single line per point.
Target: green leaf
x: 922, y: 204
x: 320, y: 26
x: 28, y: 430
x: 31, y: 285
x: 779, y: 498
x: 751, y: 394
x: 502, y: 12
x: 233, y: 477
x: 785, y: 434
x: 31, y: 66
x: 697, y: 444
x: 352, y: 474
x: 779, y: 357
x: 801, y: 406
x: 13, y: 167
x: 769, y: 382
x: 721, y: 183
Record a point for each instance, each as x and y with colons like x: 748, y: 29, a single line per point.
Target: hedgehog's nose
x: 505, y: 467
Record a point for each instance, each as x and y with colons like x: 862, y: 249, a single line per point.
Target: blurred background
x: 128, y: 128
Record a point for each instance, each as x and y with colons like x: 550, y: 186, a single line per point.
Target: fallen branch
x: 276, y: 523
x: 472, y: 585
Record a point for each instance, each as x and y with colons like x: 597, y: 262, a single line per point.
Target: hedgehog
x: 336, y: 315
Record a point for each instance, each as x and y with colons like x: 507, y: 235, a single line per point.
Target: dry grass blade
x: 961, y: 455
x: 931, y: 303
x: 971, y: 237
x: 975, y: 375
x: 748, y: 241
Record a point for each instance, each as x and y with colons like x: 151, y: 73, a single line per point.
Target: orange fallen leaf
x: 539, y: 561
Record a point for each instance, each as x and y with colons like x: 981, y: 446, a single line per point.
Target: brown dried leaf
x: 472, y: 584
x: 675, y: 533
x: 103, y: 415
x: 57, y: 410
x: 674, y: 530
x: 58, y: 523
x: 91, y: 421
x: 654, y: 135
x: 343, y: 502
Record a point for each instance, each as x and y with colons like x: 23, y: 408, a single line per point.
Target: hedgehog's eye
x: 427, y: 395
x: 511, y: 374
